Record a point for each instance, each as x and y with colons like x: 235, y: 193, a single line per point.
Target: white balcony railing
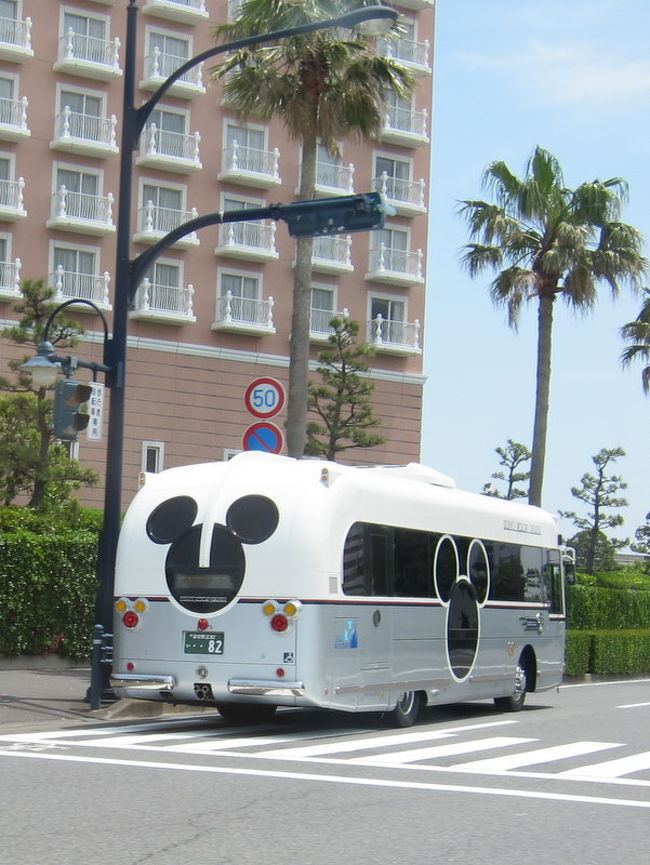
x: 87, y: 286
x: 405, y: 126
x: 396, y: 266
x: 90, y: 214
x: 15, y: 38
x: 154, y: 222
x: 159, y: 66
x: 164, y: 302
x: 252, y: 240
x: 244, y: 313
x: 319, y: 321
x: 339, y: 178
x: 183, y: 11
x: 10, y: 279
x: 250, y: 165
x: 406, y: 195
x: 174, y: 150
x: 88, y: 55
x: 85, y: 132
x: 332, y: 254
x: 13, y: 118
x: 12, y: 199
x: 399, y: 336
x: 413, y: 54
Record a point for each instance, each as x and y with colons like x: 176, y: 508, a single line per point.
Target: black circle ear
x: 171, y: 519
x: 252, y: 518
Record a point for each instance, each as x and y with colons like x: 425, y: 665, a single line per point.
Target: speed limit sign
x: 264, y: 397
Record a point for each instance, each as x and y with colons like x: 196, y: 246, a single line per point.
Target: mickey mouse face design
x: 251, y: 519
x: 463, y: 595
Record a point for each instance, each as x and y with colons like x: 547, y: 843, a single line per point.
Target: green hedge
x: 47, y: 592
x: 593, y: 608
x: 620, y: 652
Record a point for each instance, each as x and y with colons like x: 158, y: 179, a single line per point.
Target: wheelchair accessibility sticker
x: 349, y: 639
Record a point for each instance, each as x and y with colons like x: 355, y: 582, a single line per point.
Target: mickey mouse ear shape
x: 171, y: 519
x: 252, y: 518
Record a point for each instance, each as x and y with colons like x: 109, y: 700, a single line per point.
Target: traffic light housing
x: 340, y: 215
x: 68, y: 417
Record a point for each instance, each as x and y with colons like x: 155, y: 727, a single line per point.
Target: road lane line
x: 451, y: 750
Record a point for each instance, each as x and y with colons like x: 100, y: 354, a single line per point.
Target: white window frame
x: 82, y: 91
x: 404, y: 229
x: 229, y: 453
x: 245, y: 274
x: 14, y: 77
x: 153, y: 29
x: 82, y: 169
x: 83, y: 13
x: 396, y: 157
x: 177, y: 263
x: 159, y: 448
x: 244, y: 199
x: 246, y: 126
x: 383, y: 295
x: 162, y: 184
x: 77, y: 247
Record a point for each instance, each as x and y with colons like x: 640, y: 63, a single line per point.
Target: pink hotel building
x: 214, y: 312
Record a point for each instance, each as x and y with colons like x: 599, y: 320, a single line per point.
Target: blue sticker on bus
x: 349, y: 639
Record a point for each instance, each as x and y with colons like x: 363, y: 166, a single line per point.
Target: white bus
x: 267, y: 581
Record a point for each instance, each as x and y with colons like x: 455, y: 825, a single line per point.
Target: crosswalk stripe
x: 611, y: 768
x: 451, y: 750
x: 534, y: 757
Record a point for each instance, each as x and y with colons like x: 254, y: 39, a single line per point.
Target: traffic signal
x: 68, y: 417
x: 362, y: 212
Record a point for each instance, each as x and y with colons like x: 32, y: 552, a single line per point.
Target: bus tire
x: 407, y: 709
x: 246, y: 713
x: 515, y: 702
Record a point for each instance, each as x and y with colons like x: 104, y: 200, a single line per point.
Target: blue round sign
x: 263, y: 436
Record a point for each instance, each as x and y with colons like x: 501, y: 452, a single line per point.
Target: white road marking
x: 534, y: 757
x: 452, y: 750
x: 611, y: 768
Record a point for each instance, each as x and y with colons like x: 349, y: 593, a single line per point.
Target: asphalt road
x: 565, y: 781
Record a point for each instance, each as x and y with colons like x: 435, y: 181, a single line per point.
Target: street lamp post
x: 363, y: 212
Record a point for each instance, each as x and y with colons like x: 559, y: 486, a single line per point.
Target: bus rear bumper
x: 128, y: 683
x: 264, y: 688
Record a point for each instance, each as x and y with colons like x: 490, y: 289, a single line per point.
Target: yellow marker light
x: 292, y: 608
x: 141, y: 605
x: 122, y: 605
x: 269, y: 608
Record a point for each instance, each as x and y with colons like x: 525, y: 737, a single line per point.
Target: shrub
x: 590, y: 607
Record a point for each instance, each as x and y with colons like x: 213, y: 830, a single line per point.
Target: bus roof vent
x: 417, y: 472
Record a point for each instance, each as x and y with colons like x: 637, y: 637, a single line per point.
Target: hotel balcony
x: 244, y: 315
x: 395, y: 266
x: 164, y: 303
x: 11, y: 200
x: 85, y: 134
x: 69, y: 284
x: 334, y: 179
x: 332, y: 254
x: 13, y: 119
x: 319, y: 323
x: 405, y: 127
x: 253, y: 241
x: 89, y: 57
x: 249, y: 166
x: 10, y: 279
x: 82, y: 213
x: 169, y: 151
x: 183, y: 11
x: 155, y: 222
x: 15, y: 39
x: 394, y: 337
x: 415, y: 56
x: 406, y: 196
x: 158, y: 67
x: 418, y: 5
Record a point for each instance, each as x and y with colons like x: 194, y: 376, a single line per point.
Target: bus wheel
x: 515, y: 702
x: 406, y: 711
x: 246, y: 713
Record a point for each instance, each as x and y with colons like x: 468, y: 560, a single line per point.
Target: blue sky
x: 574, y: 77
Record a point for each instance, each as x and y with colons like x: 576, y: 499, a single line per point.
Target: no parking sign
x: 263, y: 436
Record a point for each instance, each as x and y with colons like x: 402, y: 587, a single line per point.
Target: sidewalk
x: 47, y: 693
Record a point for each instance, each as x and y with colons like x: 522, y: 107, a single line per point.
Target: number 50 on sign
x: 264, y: 397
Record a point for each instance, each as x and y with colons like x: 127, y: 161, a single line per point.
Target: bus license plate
x: 203, y: 642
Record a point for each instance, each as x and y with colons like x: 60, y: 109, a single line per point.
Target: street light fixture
x: 371, y: 19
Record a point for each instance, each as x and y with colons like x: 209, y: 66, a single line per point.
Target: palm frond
x: 478, y: 257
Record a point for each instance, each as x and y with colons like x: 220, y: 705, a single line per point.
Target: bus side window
x: 553, y: 579
x: 354, y: 571
x: 413, y: 564
x: 379, y: 575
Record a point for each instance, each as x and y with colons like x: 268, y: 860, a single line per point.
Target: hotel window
x: 153, y: 454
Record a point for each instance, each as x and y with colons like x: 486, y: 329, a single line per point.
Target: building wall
x: 187, y: 376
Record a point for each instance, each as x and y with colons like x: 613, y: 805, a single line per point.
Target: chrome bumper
x: 263, y: 688
x: 142, y: 682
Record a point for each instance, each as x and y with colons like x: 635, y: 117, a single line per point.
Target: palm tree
x: 323, y: 86
x: 637, y: 332
x: 547, y: 241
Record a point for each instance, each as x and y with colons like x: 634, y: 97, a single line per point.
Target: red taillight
x: 279, y: 622
x: 279, y: 672
x: 203, y: 624
x: 130, y: 619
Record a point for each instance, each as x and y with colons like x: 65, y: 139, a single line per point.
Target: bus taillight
x: 130, y: 619
x: 279, y: 622
x: 281, y: 615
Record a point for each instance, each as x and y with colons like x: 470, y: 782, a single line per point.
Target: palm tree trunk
x: 299, y: 343
x: 543, y: 380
